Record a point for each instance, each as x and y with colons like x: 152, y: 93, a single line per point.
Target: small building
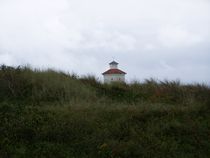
x: 114, y: 74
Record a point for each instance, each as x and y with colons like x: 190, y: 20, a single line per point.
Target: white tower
x: 114, y: 74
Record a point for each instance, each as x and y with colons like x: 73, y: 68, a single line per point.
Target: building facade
x: 114, y: 74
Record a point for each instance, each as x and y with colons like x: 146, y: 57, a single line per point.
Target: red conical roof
x: 114, y: 71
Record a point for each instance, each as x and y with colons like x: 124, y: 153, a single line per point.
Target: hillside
x: 54, y: 114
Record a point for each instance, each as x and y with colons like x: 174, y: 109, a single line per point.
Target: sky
x: 161, y: 39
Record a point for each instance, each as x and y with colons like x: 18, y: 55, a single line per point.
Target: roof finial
x: 113, y: 58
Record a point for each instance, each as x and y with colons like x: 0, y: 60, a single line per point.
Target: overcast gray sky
x: 164, y: 39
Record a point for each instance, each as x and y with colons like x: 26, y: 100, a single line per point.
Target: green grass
x: 53, y: 114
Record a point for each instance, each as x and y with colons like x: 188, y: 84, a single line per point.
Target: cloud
x: 162, y: 38
x: 176, y: 36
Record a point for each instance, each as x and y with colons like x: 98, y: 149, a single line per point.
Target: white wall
x: 114, y: 78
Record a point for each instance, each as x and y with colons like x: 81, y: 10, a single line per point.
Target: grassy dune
x: 53, y: 114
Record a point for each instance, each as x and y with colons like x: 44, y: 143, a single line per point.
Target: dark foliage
x: 53, y: 114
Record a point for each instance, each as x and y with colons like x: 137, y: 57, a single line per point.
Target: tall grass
x: 24, y: 84
x: 36, y: 86
x: 45, y: 113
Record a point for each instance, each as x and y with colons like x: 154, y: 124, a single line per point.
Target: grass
x: 53, y: 114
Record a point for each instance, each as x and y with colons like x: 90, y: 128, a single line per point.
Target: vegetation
x: 54, y: 114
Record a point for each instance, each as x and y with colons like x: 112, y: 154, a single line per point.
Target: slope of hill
x: 53, y: 114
